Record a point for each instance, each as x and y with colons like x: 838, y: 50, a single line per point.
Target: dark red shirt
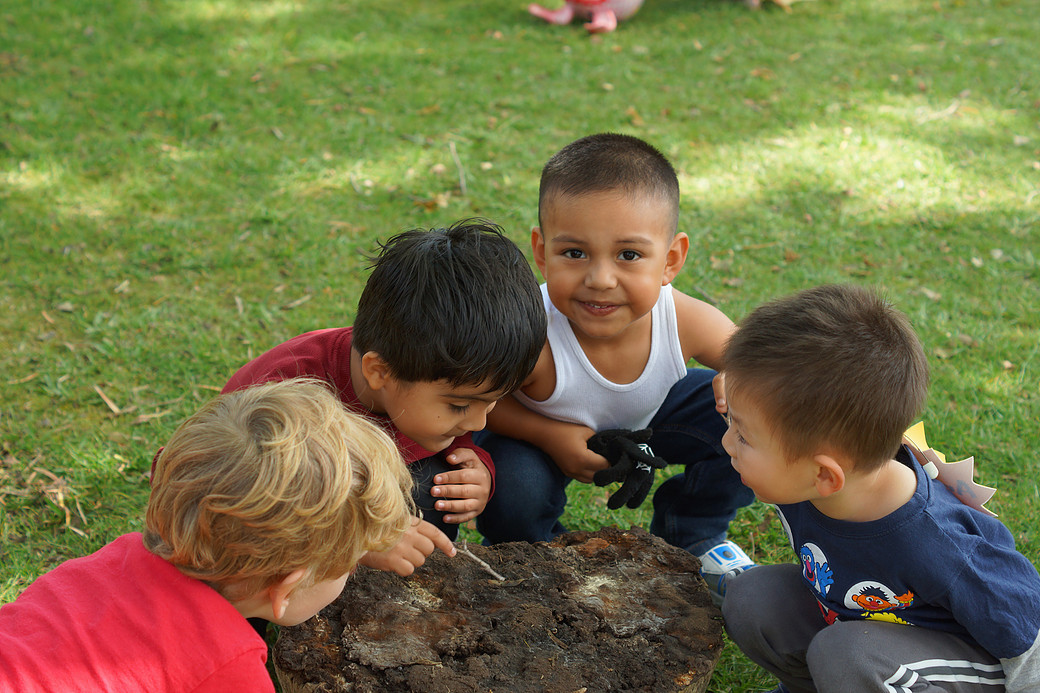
x: 325, y: 354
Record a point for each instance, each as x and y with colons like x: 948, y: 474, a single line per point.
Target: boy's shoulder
x: 124, y: 569
x: 703, y: 328
x: 322, y: 339
x: 107, y: 607
x: 933, y: 528
x: 321, y: 353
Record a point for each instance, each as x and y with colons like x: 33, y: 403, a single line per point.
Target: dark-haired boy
x: 619, y: 339
x: 449, y: 322
x: 901, y: 586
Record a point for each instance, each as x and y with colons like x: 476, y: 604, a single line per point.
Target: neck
x: 870, y: 496
x: 256, y: 606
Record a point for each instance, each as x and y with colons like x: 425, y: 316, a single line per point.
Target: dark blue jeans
x: 692, y: 510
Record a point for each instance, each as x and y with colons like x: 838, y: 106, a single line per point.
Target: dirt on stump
x: 600, y: 612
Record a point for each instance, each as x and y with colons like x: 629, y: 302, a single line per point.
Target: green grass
x: 185, y: 184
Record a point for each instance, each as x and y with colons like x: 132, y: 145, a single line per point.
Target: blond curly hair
x: 274, y: 478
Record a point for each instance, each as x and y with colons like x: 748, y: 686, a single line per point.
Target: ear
x: 375, y: 370
x: 538, y: 249
x: 676, y: 257
x: 279, y: 592
x: 830, y: 475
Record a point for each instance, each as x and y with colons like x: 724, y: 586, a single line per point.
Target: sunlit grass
x: 185, y: 184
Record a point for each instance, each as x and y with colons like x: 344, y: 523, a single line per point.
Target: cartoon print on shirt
x: 877, y: 601
x: 874, y: 600
x: 829, y: 615
x: 815, y: 568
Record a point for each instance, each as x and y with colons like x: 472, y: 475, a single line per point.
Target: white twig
x: 458, y: 165
x: 944, y: 113
x: 464, y: 550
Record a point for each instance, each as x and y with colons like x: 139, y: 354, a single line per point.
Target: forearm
x: 513, y: 419
x: 563, y: 442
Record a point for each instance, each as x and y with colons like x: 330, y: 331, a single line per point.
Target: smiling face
x: 605, y: 257
x: 757, y: 455
x: 434, y: 413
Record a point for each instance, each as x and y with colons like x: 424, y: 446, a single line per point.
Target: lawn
x: 184, y: 184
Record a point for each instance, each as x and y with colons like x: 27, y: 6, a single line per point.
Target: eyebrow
x: 633, y: 240
x: 482, y: 397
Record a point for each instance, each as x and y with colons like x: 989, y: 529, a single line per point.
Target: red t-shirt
x: 124, y: 620
x: 325, y: 354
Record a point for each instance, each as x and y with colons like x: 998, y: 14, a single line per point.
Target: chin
x: 439, y: 444
x: 765, y: 499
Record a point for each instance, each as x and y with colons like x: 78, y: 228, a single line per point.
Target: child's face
x: 605, y: 257
x: 434, y: 413
x: 759, y: 459
x: 304, y: 602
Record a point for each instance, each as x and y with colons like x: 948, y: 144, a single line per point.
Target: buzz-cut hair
x: 277, y: 477
x: 833, y: 367
x: 459, y: 304
x: 609, y: 162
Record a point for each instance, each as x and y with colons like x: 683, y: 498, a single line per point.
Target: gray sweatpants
x: 774, y: 618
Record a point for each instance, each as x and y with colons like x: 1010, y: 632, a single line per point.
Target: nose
x: 600, y: 275
x: 477, y: 419
x: 727, y: 442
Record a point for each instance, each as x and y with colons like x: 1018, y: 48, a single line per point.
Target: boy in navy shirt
x: 900, y: 586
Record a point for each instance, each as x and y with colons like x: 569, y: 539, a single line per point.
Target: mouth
x: 598, y: 308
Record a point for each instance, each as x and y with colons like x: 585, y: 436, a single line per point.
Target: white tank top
x: 583, y: 396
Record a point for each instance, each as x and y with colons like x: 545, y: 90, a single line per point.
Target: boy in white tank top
x: 619, y: 339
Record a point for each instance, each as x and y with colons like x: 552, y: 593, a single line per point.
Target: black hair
x: 459, y: 304
x: 605, y: 162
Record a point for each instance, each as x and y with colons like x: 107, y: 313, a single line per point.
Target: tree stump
x: 598, y: 611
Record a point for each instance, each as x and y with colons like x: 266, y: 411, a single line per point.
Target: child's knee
x: 763, y: 598
x: 740, y: 608
x: 829, y: 661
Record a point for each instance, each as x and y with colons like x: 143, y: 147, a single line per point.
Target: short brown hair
x: 280, y: 476
x: 837, y: 366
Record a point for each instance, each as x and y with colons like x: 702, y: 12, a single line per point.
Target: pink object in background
x: 603, y: 15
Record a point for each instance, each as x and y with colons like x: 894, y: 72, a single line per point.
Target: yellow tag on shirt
x: 956, y: 476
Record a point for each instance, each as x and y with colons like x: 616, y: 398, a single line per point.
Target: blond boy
x: 262, y: 504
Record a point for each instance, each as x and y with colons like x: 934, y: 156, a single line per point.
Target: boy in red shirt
x: 262, y: 504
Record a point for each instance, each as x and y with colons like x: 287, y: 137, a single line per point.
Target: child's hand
x: 470, y: 485
x: 418, y: 542
x: 718, y: 384
x: 569, y: 449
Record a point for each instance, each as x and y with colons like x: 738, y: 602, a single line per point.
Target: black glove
x: 631, y: 460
